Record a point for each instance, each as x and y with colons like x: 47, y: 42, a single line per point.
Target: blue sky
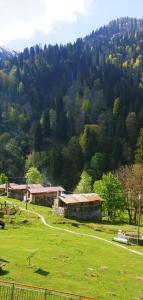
x: 25, y: 23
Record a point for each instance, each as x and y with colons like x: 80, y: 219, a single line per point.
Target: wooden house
x: 3, y: 189
x: 6, y: 188
x: 44, y: 195
x: 79, y: 206
x: 19, y: 191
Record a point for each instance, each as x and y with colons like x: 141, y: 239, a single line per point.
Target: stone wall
x: 91, y: 212
x: 79, y: 211
x: 57, y: 210
x: 20, y: 195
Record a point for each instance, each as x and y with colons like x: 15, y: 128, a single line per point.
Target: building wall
x: 2, y: 191
x: 84, y: 211
x: 20, y: 195
x: 46, y: 199
x: 79, y: 211
x: 57, y: 210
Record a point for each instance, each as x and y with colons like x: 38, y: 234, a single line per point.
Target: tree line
x: 69, y: 108
x: 121, y: 192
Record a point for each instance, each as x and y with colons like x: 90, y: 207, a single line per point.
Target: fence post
x: 45, y: 297
x: 12, y: 292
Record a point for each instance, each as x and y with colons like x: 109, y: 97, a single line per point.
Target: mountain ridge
x: 73, y: 107
x: 119, y: 25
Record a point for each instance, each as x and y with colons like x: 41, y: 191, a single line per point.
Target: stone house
x: 79, y: 206
x: 44, y: 195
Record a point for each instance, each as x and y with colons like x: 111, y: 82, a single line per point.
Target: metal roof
x: 42, y: 190
x: 14, y: 186
x: 80, y: 198
x: 17, y: 187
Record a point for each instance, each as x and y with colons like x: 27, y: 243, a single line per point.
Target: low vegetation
x: 69, y: 262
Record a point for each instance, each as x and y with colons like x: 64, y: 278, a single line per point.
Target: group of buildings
x: 77, y: 206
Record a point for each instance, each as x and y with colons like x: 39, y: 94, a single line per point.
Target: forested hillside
x: 79, y: 106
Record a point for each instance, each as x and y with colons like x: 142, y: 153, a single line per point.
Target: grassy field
x: 69, y: 262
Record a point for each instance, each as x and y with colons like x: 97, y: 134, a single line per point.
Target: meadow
x: 69, y: 262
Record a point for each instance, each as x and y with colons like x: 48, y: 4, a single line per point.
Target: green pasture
x: 68, y: 262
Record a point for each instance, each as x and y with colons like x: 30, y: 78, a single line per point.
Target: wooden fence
x: 14, y: 291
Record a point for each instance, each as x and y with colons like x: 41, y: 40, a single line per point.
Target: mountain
x: 126, y: 25
x: 120, y: 26
x: 4, y: 54
x: 79, y: 106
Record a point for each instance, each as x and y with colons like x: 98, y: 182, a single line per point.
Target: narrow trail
x: 81, y: 234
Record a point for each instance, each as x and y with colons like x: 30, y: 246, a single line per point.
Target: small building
x: 2, y: 189
x: 44, y: 195
x: 79, y: 206
x: 19, y: 191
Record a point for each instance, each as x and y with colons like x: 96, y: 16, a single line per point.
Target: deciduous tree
x: 34, y: 176
x: 85, y: 183
x: 3, y: 178
x: 110, y: 189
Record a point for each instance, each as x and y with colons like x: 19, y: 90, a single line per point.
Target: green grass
x: 68, y: 262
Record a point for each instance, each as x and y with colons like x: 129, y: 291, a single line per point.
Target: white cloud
x: 21, y: 19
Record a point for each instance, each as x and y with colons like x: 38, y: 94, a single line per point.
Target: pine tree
x: 139, y: 148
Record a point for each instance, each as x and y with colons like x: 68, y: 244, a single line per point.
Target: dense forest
x: 69, y: 108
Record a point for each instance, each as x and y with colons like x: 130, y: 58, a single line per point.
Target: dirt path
x: 82, y: 234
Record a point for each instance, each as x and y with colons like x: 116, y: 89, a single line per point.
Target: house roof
x: 42, y: 190
x: 81, y: 198
x: 3, y: 186
x: 17, y: 186
x: 14, y: 186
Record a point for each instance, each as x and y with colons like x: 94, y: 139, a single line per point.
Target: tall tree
x: 3, y: 178
x: 34, y: 176
x: 90, y: 140
x: 131, y: 178
x: 73, y: 161
x: 98, y: 164
x: 139, y: 148
x: 110, y: 189
x: 131, y: 128
x: 85, y: 183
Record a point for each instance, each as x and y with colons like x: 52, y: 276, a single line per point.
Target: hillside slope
x: 61, y: 107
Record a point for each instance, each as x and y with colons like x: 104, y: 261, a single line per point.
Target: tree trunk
x: 135, y: 216
x: 130, y: 216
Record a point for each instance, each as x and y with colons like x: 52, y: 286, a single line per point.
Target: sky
x: 24, y: 23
